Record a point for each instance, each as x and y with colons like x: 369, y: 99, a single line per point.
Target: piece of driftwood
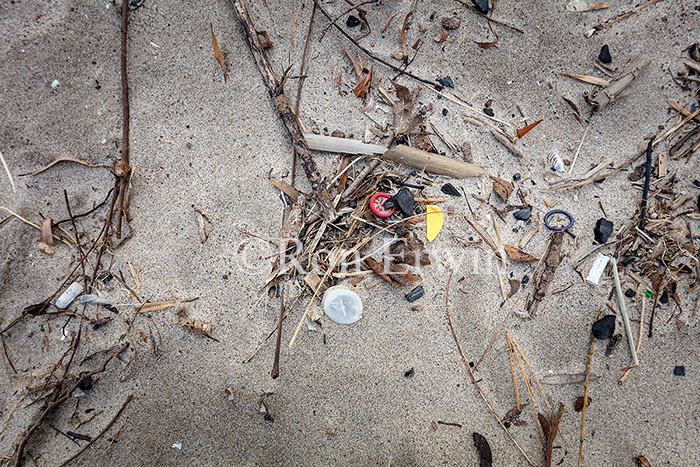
x: 276, y: 90
x: 510, y: 146
x: 552, y: 258
x: 412, y: 157
x: 616, y: 88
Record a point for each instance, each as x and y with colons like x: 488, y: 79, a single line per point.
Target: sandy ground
x: 199, y: 140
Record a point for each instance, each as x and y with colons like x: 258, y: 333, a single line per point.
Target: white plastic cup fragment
x: 69, y: 295
x: 342, y: 305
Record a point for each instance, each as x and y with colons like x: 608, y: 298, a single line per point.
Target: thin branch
x: 122, y: 168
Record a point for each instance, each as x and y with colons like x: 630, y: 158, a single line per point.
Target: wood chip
x: 217, y: 51
x: 502, y: 187
x: 518, y: 255
x: 587, y: 79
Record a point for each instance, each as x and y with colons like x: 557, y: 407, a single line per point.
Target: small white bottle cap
x: 342, y: 305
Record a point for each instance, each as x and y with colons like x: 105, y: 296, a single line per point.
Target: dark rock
x: 404, y: 200
x: 604, y: 55
x: 629, y: 293
x: 603, y: 229
x: 481, y: 5
x: 694, y: 52
x: 449, y: 189
x: 86, y: 384
x: 224, y: 276
x: 353, y: 21
x: 488, y: 111
x: 414, y: 294
x: 664, y: 297
x: 517, y: 176
x: 679, y: 370
x: 447, y: 82
x: 523, y: 214
x: 525, y: 280
x: 409, y: 373
x: 444, y: 112
x: 696, y: 183
x: 604, y: 328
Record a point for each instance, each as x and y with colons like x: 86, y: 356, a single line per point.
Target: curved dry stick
x: 65, y: 159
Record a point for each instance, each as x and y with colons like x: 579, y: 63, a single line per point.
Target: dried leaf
x: 578, y: 403
x: 355, y: 65
x: 343, y: 180
x: 204, y: 223
x: 36, y: 309
x: 550, y: 429
x: 514, y: 287
x: 482, y: 446
x: 641, y: 461
x: 434, y: 220
x: 409, y: 250
x: 424, y: 143
x: 573, y: 106
x: 143, y: 336
x: 403, y: 28
x: 524, y: 130
x: 416, y: 44
x: 405, y: 120
x: 286, y: 188
x: 65, y: 159
x: 46, y: 235
x: 193, y: 325
x: 587, y: 79
x: 518, y: 255
x: 363, y: 86
x: 217, y: 52
x: 487, y: 45
x: 443, y: 36
x: 502, y: 188
x: 450, y: 22
x: 337, y: 75
x: 396, y: 275
x: 268, y: 43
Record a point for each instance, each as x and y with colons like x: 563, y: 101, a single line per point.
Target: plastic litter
x: 55, y: 83
x: 415, y: 294
x: 558, y: 211
x: 69, y: 295
x: 177, y: 445
x: 342, y: 305
x: 603, y: 229
x: 601, y: 262
x: 604, y: 328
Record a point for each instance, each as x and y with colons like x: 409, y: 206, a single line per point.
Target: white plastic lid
x: 342, y: 305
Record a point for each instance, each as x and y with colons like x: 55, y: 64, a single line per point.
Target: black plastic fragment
x: 449, y: 189
x: 603, y: 229
x: 604, y: 328
x: 679, y: 370
x: 481, y: 5
x: 664, y: 297
x: 523, y: 214
x: 409, y: 373
x: 415, y: 294
x: 489, y: 111
x: 629, y: 293
x: 86, y: 384
x: 353, y: 21
x: 447, y: 82
x: 604, y: 55
x: 404, y: 200
x: 525, y: 280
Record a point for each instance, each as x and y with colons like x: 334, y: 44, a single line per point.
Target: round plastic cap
x: 342, y: 305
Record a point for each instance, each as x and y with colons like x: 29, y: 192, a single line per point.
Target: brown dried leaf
x: 502, y: 188
x: 343, y: 180
x: 203, y: 222
x: 268, y: 43
x: 403, y: 28
x: 36, y: 309
x: 573, y: 106
x: 518, y: 255
x: 514, y: 287
x: 195, y: 326
x: 484, y: 450
x: 550, y: 429
x: 143, y: 336
x: 363, y: 86
x: 286, y: 188
x: 410, y: 250
x: 355, y: 65
x: 641, y: 461
x: 487, y: 45
x: 217, y: 52
x: 46, y: 235
x: 405, y: 120
x: 337, y: 74
x: 443, y: 36
x: 424, y: 143
x: 578, y: 403
x: 450, y: 22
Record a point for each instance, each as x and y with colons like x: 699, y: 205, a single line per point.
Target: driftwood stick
x: 619, y: 85
x: 276, y: 90
x: 276, y: 363
x: 121, y: 167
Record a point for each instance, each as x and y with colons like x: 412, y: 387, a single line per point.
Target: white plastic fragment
x: 342, y: 305
x: 79, y: 393
x: 69, y: 295
x: 177, y: 445
x: 601, y: 262
x: 55, y: 83
x: 92, y: 298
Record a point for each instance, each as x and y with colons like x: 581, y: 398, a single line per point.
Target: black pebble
x: 604, y: 55
x: 404, y: 200
x: 447, y: 82
x: 679, y: 370
x: 629, y: 293
x: 523, y: 214
x: 444, y: 112
x: 471, y: 364
x: 414, y: 294
x: 224, y: 276
x: 696, y: 183
x: 603, y: 229
x: 488, y: 111
x: 604, y: 328
x: 525, y: 280
x: 86, y: 384
x: 664, y: 297
x: 506, y: 424
x: 481, y: 5
x: 354, y: 21
x: 409, y: 373
x: 471, y: 239
x: 449, y: 189
x: 517, y: 176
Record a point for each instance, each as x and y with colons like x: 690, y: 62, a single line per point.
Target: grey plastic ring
x: 558, y: 211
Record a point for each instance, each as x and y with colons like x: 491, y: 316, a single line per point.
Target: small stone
x: 604, y: 328
x: 629, y: 293
x: 525, y: 280
x: 679, y: 370
x: 517, y: 176
x: 694, y: 52
x: 55, y: 83
x: 481, y: 5
x: 86, y: 384
x: 449, y: 189
x: 409, y: 373
x: 603, y: 229
x: 444, y: 112
x: 488, y: 111
x: 696, y: 183
x: 664, y: 297
x: 353, y: 21
x: 523, y: 214
x: 604, y: 55
x: 447, y: 82
x: 224, y: 276
x: 450, y: 23
x: 415, y: 294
